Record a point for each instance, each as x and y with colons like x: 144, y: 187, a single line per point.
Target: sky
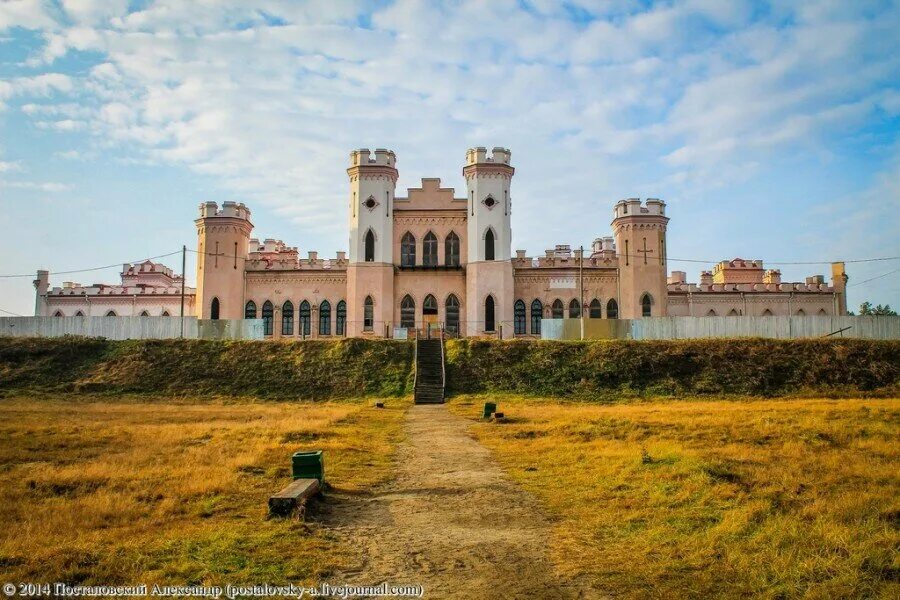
x: 770, y: 129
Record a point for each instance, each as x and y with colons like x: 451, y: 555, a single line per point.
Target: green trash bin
x: 489, y: 409
x: 308, y: 465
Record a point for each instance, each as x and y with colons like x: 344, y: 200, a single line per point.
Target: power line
x: 11, y: 313
x: 96, y: 268
x: 874, y: 278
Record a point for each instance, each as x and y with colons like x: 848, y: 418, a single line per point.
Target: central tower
x: 489, y: 272
x: 370, y: 272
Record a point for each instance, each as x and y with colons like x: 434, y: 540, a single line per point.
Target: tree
x: 866, y: 308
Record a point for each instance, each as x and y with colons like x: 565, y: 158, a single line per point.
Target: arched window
x: 58, y: 314
x: 489, y: 245
x: 340, y: 321
x: 733, y: 312
x: 165, y: 313
x: 79, y: 314
x: 408, y: 250
x: 612, y: 309
x: 451, y: 250
x: 537, y: 313
x: 324, y: 318
x: 214, y: 309
x: 557, y: 309
x: 111, y: 313
x: 287, y: 318
x: 250, y: 310
x: 596, y: 309
x: 574, y: 309
x: 144, y: 313
x: 519, y: 317
x: 801, y: 312
x: 429, y: 306
x: 452, y: 316
x: 711, y: 313
x: 369, y: 247
x: 268, y: 314
x: 407, y: 312
x: 304, y: 315
x: 489, y: 323
x: 429, y: 250
x: 767, y: 313
x: 646, y: 305
x: 368, y: 314
x: 822, y: 312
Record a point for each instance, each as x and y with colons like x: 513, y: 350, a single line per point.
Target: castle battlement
x: 363, y: 157
x: 631, y: 207
x: 479, y: 155
x: 236, y: 210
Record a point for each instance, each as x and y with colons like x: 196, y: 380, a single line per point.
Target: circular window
x: 370, y: 203
x: 489, y: 202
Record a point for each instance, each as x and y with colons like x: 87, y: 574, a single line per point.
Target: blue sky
x: 770, y: 128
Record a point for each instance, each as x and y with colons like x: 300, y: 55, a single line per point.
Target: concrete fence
x: 684, y: 328
x: 132, y: 328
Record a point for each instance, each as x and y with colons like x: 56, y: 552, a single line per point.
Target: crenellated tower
x: 640, y: 234
x: 489, y: 272
x: 223, y: 237
x: 370, y: 271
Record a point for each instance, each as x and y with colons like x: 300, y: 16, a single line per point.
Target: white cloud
x: 29, y: 14
x: 49, y: 187
x: 7, y: 167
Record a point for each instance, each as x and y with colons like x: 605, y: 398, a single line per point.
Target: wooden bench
x: 293, y: 498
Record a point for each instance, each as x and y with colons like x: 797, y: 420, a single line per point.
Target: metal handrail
x: 443, y: 368
x: 415, y: 361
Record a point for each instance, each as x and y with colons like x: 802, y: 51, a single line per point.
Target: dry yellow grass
x: 132, y: 491
x: 772, y: 499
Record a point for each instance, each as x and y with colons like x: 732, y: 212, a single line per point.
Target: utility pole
x: 183, y: 262
x: 581, y: 286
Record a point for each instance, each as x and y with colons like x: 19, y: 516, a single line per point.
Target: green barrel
x: 308, y: 465
x: 489, y: 409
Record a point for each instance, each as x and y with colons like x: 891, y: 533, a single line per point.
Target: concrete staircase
x: 429, y: 372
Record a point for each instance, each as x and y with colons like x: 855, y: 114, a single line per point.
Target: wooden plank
x: 293, y: 497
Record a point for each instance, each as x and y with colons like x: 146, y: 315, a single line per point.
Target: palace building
x: 432, y: 259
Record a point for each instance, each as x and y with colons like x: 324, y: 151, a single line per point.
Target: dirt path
x: 451, y: 521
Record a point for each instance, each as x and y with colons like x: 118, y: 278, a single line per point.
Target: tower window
x: 430, y: 250
x: 519, y: 317
x: 370, y: 203
x: 214, y: 309
x: 489, y: 245
x: 370, y: 246
x: 612, y: 309
x: 646, y: 305
x: 489, y: 321
x: 408, y: 250
x: 490, y: 202
x: 368, y: 314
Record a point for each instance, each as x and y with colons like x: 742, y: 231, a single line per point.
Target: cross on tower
x: 645, y: 252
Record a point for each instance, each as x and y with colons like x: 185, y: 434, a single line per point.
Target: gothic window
x: 612, y: 309
x: 305, y: 324
x: 429, y: 306
x: 733, y: 313
x: 596, y: 309
x: 165, y: 313
x: 429, y: 250
x: 111, y: 313
x: 489, y: 245
x: 711, y: 313
x: 58, y: 314
x: 822, y: 312
x: 368, y: 314
x: 79, y: 314
x: 646, y: 305
x: 268, y: 313
x: 370, y: 247
x: 489, y: 323
x: 537, y: 313
x: 250, y: 310
x: 144, y: 313
x: 801, y: 313
x: 451, y: 250
x: 767, y: 313
x: 287, y: 318
x: 214, y: 309
x: 325, y: 318
x: 574, y: 309
x: 407, y: 312
x: 340, y: 322
x: 519, y: 317
x: 452, y: 313
x: 557, y: 309
x: 408, y: 250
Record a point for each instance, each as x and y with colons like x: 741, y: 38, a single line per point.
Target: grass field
x: 686, y: 499
x: 139, y: 491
